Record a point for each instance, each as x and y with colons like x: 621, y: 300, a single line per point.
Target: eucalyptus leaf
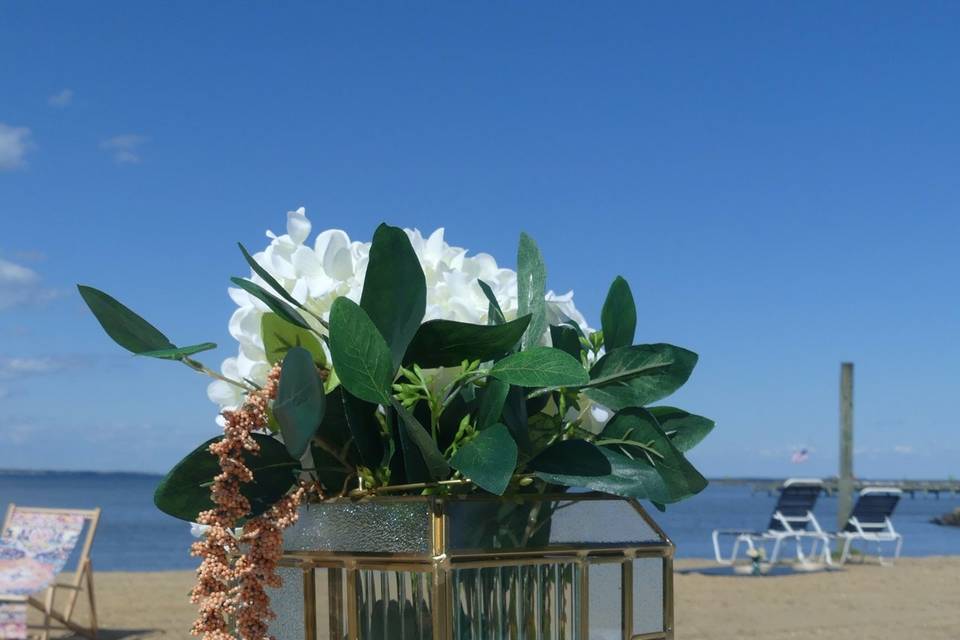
x: 125, y: 327
x: 274, y: 303
x: 492, y: 399
x: 566, y: 339
x: 618, y: 319
x: 494, y: 312
x: 638, y: 375
x: 279, y: 336
x: 361, y: 357
x: 178, y: 353
x: 361, y: 418
x: 540, y: 367
x: 531, y: 289
x: 685, y: 430
x: 300, y: 402
x: 447, y: 343
x: 515, y: 416
x: 394, y: 289
x: 436, y: 464
x: 570, y: 457
x: 185, y: 491
x: 489, y: 459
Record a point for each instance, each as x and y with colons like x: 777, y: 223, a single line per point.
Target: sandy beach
x: 916, y: 598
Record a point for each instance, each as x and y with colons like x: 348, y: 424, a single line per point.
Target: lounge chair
x: 870, y: 522
x: 792, y: 521
x: 35, y: 544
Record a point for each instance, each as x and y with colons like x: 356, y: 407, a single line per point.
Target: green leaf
x: 494, y: 312
x: 515, y: 416
x: 394, y: 289
x: 185, y: 491
x: 360, y: 354
x: 638, y: 375
x: 685, y: 430
x: 279, y: 336
x: 435, y: 463
x: 127, y: 329
x: 540, y: 367
x: 639, y: 427
x: 446, y: 343
x: 488, y: 460
x: 570, y: 457
x: 274, y: 303
x: 566, y: 339
x: 269, y: 279
x: 531, y: 288
x: 300, y: 402
x: 492, y: 399
x: 618, y: 319
x: 364, y: 427
x: 177, y: 353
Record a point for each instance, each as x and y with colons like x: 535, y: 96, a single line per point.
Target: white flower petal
x: 298, y: 227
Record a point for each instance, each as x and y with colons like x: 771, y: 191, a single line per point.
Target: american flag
x: 800, y: 456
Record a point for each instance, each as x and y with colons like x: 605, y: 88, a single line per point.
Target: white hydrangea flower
x: 335, y: 266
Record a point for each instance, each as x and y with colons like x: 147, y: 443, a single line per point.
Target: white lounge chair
x: 792, y: 521
x: 870, y: 522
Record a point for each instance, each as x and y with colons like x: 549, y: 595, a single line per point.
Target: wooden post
x: 845, y: 479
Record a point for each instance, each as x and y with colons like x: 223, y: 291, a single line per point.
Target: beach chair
x: 792, y: 521
x: 35, y: 544
x: 870, y: 522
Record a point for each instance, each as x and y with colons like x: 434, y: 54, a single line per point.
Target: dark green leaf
x: 494, y: 312
x: 638, y: 375
x: 566, y: 339
x: 127, y: 329
x: 414, y: 466
x: 329, y: 470
x: 300, y: 401
x: 685, y: 430
x: 570, y: 457
x: 364, y: 427
x: 269, y: 279
x: 492, y: 399
x: 185, y: 491
x: 618, y: 319
x: 361, y: 357
x: 637, y: 425
x: 394, y: 289
x: 515, y: 416
x: 436, y: 464
x: 274, y: 303
x: 279, y: 336
x: 178, y: 353
x: 540, y: 367
x: 446, y: 343
x: 531, y: 288
x: 488, y: 460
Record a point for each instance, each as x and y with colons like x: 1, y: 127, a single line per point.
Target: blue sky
x: 777, y: 181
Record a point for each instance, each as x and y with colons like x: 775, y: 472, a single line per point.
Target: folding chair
x: 870, y: 522
x: 35, y: 544
x: 792, y: 521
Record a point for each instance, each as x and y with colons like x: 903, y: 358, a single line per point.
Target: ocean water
x: 134, y: 536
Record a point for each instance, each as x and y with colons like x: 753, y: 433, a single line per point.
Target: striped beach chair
x: 870, y: 523
x: 35, y: 544
x: 792, y: 521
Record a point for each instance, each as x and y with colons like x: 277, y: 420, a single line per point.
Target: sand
x: 917, y: 598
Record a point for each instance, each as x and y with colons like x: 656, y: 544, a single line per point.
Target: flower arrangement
x: 405, y: 365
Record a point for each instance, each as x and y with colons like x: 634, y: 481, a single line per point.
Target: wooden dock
x: 909, y: 487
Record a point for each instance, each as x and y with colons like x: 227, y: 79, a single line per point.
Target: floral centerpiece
x: 406, y: 365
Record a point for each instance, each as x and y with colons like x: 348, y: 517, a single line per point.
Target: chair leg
x: 93, y: 604
x: 47, y: 609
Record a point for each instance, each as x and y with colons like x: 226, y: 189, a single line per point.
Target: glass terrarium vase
x: 532, y: 567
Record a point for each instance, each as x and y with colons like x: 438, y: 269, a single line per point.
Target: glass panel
x: 605, y: 598
x: 394, y: 605
x: 377, y: 527
x: 518, y: 602
x: 647, y: 595
x: 488, y: 525
x: 287, y: 603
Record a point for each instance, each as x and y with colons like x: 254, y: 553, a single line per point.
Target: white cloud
x: 62, y: 99
x: 14, y: 144
x: 125, y: 148
x: 20, y: 285
x: 19, y: 367
x: 903, y: 449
